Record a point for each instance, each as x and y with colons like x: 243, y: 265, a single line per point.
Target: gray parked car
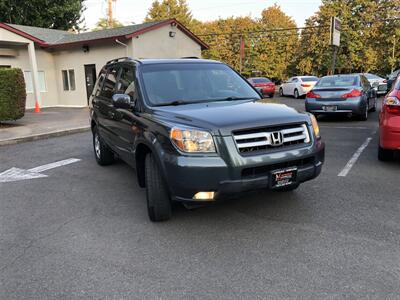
x: 350, y: 94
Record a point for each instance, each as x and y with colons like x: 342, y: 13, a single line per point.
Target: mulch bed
x: 7, y: 125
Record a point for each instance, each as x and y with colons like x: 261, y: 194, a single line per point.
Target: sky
x: 128, y: 11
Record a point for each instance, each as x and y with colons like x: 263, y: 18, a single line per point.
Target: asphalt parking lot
x: 83, y: 231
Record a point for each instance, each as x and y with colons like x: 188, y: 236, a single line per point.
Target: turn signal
x: 205, y: 196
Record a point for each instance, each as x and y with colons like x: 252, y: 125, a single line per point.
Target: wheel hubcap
x: 97, y: 145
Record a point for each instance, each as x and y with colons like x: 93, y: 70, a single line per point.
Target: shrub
x: 12, y: 94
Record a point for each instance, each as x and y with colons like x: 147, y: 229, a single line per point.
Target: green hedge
x: 12, y: 94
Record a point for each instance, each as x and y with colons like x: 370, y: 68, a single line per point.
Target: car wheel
x: 296, y: 94
x: 158, y: 200
x: 364, y: 116
x: 373, y: 108
x: 288, y: 188
x: 103, y: 154
x: 271, y: 95
x: 384, y: 154
x: 281, y: 92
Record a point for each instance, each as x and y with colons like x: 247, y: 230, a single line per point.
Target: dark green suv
x: 196, y: 131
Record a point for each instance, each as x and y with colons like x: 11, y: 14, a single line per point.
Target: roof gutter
x: 122, y: 44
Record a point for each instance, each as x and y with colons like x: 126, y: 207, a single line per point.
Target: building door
x: 90, y: 79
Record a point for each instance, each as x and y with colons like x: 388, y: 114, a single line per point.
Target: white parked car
x: 377, y: 82
x: 297, y: 86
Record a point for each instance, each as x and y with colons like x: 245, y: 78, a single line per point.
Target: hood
x: 227, y: 116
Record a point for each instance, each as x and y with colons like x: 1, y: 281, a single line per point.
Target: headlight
x: 315, y: 126
x: 192, y: 140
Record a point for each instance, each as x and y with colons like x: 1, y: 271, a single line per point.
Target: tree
x: 102, y: 24
x: 56, y: 14
x: 169, y: 9
x: 368, y: 27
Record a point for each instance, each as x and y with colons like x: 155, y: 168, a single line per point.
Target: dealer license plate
x: 330, y: 108
x: 283, y: 177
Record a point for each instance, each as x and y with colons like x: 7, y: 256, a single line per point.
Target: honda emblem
x: 276, y: 138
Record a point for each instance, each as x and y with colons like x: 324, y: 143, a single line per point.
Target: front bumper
x: 234, y: 174
x: 350, y: 106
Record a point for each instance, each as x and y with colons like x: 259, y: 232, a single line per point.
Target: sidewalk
x: 50, y: 122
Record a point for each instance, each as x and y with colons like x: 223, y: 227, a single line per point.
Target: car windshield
x: 338, y: 81
x: 260, y: 80
x: 185, y: 83
x: 372, y: 76
x: 309, y: 79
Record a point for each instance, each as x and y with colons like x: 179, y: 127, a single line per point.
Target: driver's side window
x: 126, y: 83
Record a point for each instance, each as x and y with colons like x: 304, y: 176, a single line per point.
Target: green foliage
x: 12, y: 94
x: 366, y: 39
x: 55, y: 14
x: 169, y: 9
x: 102, y: 24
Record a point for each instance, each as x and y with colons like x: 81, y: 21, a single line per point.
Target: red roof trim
x: 203, y: 45
x: 86, y: 42
x: 23, y: 34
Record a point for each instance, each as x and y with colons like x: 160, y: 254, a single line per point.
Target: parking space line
x: 355, y: 157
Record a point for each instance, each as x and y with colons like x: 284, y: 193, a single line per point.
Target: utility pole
x: 393, y: 51
x: 335, y: 48
x: 110, y: 13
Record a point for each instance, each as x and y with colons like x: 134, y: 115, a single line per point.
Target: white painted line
x: 354, y: 158
x: 54, y: 165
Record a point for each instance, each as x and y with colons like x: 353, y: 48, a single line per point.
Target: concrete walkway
x: 49, y: 123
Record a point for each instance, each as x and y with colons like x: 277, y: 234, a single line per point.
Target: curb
x: 41, y: 136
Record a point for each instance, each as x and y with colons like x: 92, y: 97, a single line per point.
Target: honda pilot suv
x: 196, y: 131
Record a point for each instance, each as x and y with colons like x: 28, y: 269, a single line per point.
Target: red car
x: 265, y: 85
x: 389, y: 123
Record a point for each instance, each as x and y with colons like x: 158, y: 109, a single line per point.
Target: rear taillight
x: 311, y: 94
x: 392, y: 103
x: 305, y: 85
x: 385, y: 81
x: 352, y: 94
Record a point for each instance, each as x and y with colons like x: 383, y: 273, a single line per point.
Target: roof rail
x: 118, y: 59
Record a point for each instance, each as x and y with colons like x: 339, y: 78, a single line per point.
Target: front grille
x: 260, y: 171
x: 263, y: 139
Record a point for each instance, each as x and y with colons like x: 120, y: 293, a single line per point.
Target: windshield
x: 338, y: 81
x: 260, y: 80
x: 186, y: 83
x: 372, y: 76
x: 309, y: 79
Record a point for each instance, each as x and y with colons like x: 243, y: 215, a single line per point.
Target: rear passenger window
x: 109, y: 83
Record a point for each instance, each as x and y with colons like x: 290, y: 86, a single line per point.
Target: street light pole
x: 393, y: 51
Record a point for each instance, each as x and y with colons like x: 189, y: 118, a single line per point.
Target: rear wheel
x: 296, y: 94
x: 271, y: 95
x: 373, y: 108
x: 158, y: 200
x: 385, y: 154
x: 281, y: 92
x: 103, y: 154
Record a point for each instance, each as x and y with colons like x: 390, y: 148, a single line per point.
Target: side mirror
x: 122, y: 101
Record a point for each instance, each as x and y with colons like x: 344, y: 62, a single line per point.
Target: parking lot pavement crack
x: 44, y: 236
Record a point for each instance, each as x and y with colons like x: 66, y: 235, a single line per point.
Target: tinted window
x: 109, y: 83
x: 295, y: 80
x: 196, y: 82
x: 338, y: 81
x: 261, y: 80
x: 372, y: 76
x: 126, y: 82
x: 309, y: 79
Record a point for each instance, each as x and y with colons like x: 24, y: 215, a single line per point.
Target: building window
x: 29, y: 81
x: 68, y: 77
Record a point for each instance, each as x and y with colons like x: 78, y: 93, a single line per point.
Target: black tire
x: 158, y: 200
x: 296, y: 94
x: 385, y: 154
x: 364, y: 116
x: 103, y: 154
x: 271, y: 95
x: 288, y: 188
x: 281, y: 92
x: 373, y: 108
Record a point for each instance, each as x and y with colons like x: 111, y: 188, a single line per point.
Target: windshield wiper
x: 233, y: 98
x: 174, y: 103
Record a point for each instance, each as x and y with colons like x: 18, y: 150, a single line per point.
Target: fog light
x: 206, y: 196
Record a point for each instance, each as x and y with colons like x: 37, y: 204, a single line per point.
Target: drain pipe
x: 122, y: 44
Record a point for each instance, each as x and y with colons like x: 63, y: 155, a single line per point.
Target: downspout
x: 122, y: 44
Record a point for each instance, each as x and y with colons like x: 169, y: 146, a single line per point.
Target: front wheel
x: 373, y: 108
x: 271, y: 95
x: 364, y: 116
x: 158, y: 200
x: 281, y: 92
